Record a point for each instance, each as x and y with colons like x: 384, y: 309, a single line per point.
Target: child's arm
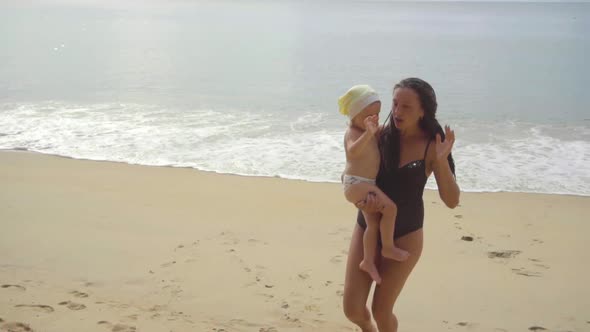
x: 355, y: 145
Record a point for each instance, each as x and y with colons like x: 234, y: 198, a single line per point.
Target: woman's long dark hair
x: 389, y: 143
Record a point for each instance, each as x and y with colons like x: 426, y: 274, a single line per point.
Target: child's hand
x: 371, y: 124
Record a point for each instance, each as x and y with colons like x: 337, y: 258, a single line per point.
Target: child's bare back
x: 361, y: 161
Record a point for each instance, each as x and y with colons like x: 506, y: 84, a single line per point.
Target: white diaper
x: 349, y: 180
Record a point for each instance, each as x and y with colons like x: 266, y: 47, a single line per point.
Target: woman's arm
x: 448, y: 189
x: 370, y: 204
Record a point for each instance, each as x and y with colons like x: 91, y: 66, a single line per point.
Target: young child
x: 362, y: 106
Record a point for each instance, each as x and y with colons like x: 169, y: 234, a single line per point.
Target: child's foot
x: 371, y: 269
x: 395, y: 253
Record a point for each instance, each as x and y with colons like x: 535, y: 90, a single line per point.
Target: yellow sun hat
x: 356, y: 99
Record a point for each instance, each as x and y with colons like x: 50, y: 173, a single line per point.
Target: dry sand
x: 99, y: 246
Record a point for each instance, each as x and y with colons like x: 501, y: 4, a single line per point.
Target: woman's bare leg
x: 357, y: 285
x: 394, y: 275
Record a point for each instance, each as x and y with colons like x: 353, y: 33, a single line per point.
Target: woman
x: 412, y: 146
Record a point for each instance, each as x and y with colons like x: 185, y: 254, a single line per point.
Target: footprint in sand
x: 79, y: 294
x: 268, y: 329
x: 311, y: 308
x: 290, y: 319
x: 459, y: 216
x: 133, y: 317
x: 467, y: 238
x: 336, y: 259
x: 537, y: 328
x: 338, y: 231
x: 303, y: 276
x: 72, y: 305
x: 117, y: 327
x: 526, y: 273
x: 123, y: 328
x: 229, y: 242
x: 15, y: 327
x: 19, y: 287
x: 503, y: 253
x: 157, y: 308
x: 467, y: 324
x: 37, y: 307
x: 119, y: 305
x: 242, y: 322
x: 168, y: 264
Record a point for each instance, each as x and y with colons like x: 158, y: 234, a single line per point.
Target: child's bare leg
x: 356, y: 193
x: 387, y: 227
x: 370, y: 238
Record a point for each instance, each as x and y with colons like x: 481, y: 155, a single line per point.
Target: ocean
x: 251, y: 87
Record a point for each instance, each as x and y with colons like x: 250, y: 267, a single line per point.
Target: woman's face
x: 407, y: 110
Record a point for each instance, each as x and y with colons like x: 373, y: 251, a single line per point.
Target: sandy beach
x: 100, y: 246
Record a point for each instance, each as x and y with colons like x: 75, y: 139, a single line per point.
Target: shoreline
x: 272, y: 177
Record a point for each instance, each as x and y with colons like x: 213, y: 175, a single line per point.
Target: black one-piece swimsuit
x: 404, y: 186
